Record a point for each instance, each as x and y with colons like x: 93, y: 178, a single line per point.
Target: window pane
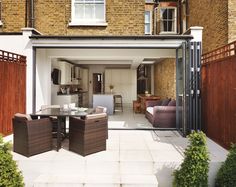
x: 147, y: 17
x: 170, y: 14
x: 89, y: 10
x: 99, y: 11
x: 79, y: 11
x: 147, y: 28
x: 164, y: 13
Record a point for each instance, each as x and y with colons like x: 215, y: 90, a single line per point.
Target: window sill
x: 163, y: 33
x: 103, y: 24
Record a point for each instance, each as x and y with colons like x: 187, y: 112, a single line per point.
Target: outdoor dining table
x: 60, y: 114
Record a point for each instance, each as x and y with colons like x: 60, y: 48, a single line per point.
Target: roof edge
x: 113, y: 37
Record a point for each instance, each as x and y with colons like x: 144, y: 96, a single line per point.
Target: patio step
x: 96, y: 180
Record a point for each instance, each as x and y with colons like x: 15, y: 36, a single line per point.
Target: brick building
x: 97, y: 36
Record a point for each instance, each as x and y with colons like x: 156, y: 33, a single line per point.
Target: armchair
x: 31, y: 137
x: 87, y: 136
x: 161, y: 116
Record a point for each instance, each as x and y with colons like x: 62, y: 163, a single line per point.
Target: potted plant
x: 194, y: 169
x: 111, y: 88
x: 226, y: 175
x: 9, y: 173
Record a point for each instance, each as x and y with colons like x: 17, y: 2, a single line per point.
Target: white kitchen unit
x: 65, y: 68
x: 84, y: 79
x: 105, y: 100
x: 65, y: 99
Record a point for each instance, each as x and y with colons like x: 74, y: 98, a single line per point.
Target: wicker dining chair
x: 102, y: 109
x: 55, y: 121
x: 87, y: 136
x: 31, y: 137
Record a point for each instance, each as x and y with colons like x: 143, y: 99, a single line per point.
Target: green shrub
x: 10, y: 176
x: 193, y: 171
x: 226, y: 176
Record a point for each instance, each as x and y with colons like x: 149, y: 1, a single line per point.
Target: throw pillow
x: 165, y: 102
x: 172, y: 103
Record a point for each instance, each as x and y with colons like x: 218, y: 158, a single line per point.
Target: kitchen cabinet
x: 65, y: 68
x: 65, y: 99
x: 84, y: 79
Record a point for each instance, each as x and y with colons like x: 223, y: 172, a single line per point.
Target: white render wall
x: 21, y: 44
x: 43, y: 78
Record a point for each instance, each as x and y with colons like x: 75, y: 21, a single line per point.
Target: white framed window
x: 168, y: 20
x: 88, y: 12
x: 149, y: 1
x: 148, y: 22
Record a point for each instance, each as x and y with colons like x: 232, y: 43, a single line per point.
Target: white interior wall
x: 124, y: 82
x: 43, y: 79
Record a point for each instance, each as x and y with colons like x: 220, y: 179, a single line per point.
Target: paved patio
x: 134, y: 158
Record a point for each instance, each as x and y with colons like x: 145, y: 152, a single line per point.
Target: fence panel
x: 13, y: 88
x: 219, y: 95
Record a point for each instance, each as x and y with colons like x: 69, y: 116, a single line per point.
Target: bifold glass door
x: 188, y: 87
x: 181, y: 88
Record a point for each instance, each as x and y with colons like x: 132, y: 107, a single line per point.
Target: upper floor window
x: 148, y: 21
x: 88, y: 12
x: 168, y: 20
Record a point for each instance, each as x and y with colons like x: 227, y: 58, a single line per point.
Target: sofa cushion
x: 165, y: 102
x: 172, y: 103
x: 150, y: 110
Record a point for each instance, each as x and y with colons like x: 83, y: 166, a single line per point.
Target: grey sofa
x: 162, y: 113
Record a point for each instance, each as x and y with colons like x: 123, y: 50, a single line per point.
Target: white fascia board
x: 108, y: 43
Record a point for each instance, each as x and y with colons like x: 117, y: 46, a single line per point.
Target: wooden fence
x: 12, y: 88
x: 219, y: 94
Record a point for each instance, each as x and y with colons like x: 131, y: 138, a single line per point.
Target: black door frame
x: 191, y: 98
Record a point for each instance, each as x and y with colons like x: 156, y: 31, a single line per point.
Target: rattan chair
x: 31, y: 137
x: 55, y: 121
x: 101, y: 109
x: 87, y: 136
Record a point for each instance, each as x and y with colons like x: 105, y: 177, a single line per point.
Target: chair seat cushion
x: 94, y: 116
x: 23, y: 116
x: 150, y: 110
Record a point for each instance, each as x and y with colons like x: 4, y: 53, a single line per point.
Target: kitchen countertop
x: 72, y: 93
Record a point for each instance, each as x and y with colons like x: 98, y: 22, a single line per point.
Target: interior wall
x: 43, y: 83
x: 93, y: 69
x: 124, y: 82
x: 165, y: 78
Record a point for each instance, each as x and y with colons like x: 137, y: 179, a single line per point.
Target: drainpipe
x: 26, y: 13
x: 187, y: 13
x: 32, y: 13
x: 180, y: 17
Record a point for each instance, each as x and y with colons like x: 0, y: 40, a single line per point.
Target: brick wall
x: 13, y: 16
x: 232, y: 20
x: 124, y: 17
x: 164, y: 76
x: 213, y: 16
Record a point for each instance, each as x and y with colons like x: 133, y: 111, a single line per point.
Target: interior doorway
x: 97, y: 83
